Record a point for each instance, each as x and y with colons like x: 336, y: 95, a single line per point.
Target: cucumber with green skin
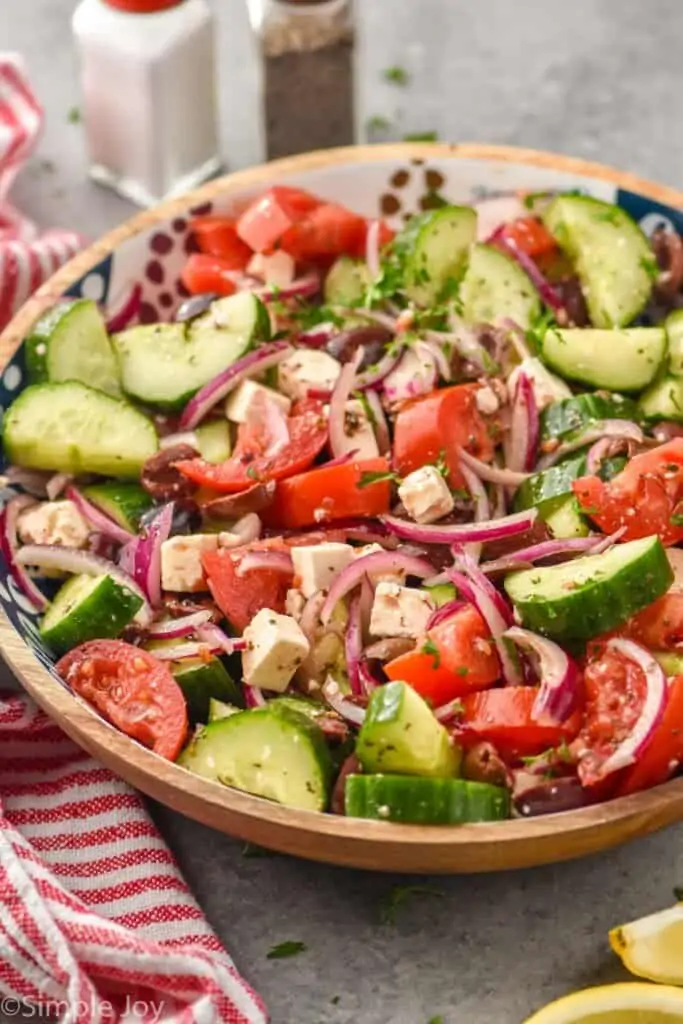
x: 610, y: 253
x: 213, y: 440
x: 495, y: 286
x: 70, y: 342
x: 621, y: 360
x: 87, y: 608
x: 591, y: 595
x: 346, y: 282
x: 563, y: 420
x: 671, y: 662
x: 280, y: 755
x: 416, y: 801
x: 125, y: 503
x: 401, y: 734
x: 71, y: 428
x: 674, y: 333
x: 201, y: 680
x: 663, y: 400
x: 219, y: 709
x: 563, y: 517
x: 432, y: 249
x: 441, y: 593
x: 556, y: 481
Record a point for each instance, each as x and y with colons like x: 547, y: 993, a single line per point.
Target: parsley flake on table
x: 396, y: 75
x: 399, y: 895
x: 286, y: 949
x: 74, y: 116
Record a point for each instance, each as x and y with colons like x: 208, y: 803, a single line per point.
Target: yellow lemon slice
x: 630, y: 1003
x: 652, y: 947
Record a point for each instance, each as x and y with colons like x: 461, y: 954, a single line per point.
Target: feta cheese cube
x: 294, y: 603
x: 181, y: 561
x: 316, y: 565
x: 278, y: 269
x: 276, y: 646
x: 379, y: 577
x: 307, y: 368
x: 246, y: 398
x: 425, y: 495
x: 54, y: 522
x: 399, y: 611
x: 359, y: 433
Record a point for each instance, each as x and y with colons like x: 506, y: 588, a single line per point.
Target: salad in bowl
x: 381, y: 523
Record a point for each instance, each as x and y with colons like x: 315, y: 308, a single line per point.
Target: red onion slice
x: 187, y: 437
x: 53, y: 556
x: 345, y: 384
x: 653, y: 706
x: 444, y: 612
x: 265, y: 411
x: 148, y: 554
x: 551, y: 298
x: 310, y: 616
x: 349, y: 711
x: 9, y: 545
x: 493, y: 474
x: 127, y: 311
x: 414, y: 375
x: 353, y: 645
x: 372, y: 249
x: 449, y: 711
x: 253, y: 697
x: 219, y: 640
x: 521, y: 442
x: 93, y: 515
x: 482, y: 506
x: 56, y: 484
x: 377, y: 562
x: 189, y: 649
x: 253, y: 363
x: 380, y: 424
x: 175, y: 628
x: 492, y: 614
x: 621, y: 429
x: 493, y: 212
x: 442, y: 362
x: 318, y: 336
x: 368, y: 681
x: 376, y: 374
x: 558, y: 694
x: 272, y: 561
x: 246, y: 530
x: 545, y: 549
x: 494, y: 529
x: 300, y: 288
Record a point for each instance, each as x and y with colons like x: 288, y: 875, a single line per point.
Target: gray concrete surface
x: 596, y: 78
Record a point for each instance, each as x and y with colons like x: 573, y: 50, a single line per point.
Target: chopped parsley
x: 462, y: 670
x: 252, y: 473
x: 559, y: 753
x: 421, y: 137
x: 399, y: 895
x: 377, y: 123
x: 286, y: 949
x: 538, y: 328
x: 429, y: 647
x: 361, y: 397
x: 386, y: 285
x: 649, y: 265
x: 369, y: 477
x: 396, y: 75
x: 441, y: 466
x: 676, y: 519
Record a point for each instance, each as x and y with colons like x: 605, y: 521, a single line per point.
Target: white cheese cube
x: 181, y: 561
x: 276, y: 646
x: 359, y: 433
x: 379, y: 577
x: 295, y: 603
x: 307, y: 368
x: 54, y: 522
x: 399, y: 611
x: 317, y: 565
x: 425, y: 495
x: 247, y: 396
x: 278, y: 269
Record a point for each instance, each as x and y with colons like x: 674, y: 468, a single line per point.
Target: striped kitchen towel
x: 96, y: 923
x: 26, y: 258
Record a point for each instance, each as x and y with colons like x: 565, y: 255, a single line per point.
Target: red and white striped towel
x: 96, y: 922
x: 26, y: 258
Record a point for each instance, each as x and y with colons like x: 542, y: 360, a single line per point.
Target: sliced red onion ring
x: 272, y: 561
x: 491, y: 612
x: 126, y: 313
x: 448, y: 711
x: 341, y: 460
x: 380, y: 421
x: 318, y: 336
x: 219, y: 640
x: 189, y: 649
x: 353, y: 645
x: 365, y: 602
x: 494, y: 474
x: 558, y: 674
x: 414, y: 375
x: 245, y: 530
x: 463, y: 533
x: 521, y: 442
x: 253, y: 697
x: 517, y: 336
x: 9, y: 545
x: 463, y: 562
x: 466, y: 342
x: 310, y: 616
x: 383, y: 319
x: 622, y: 429
x: 372, y: 249
x: 442, y: 362
x: 482, y: 507
x: 148, y: 553
x: 101, y: 522
x: 349, y: 711
x: 265, y: 411
x: 345, y: 384
x: 253, y: 363
x: 653, y: 706
x: 175, y: 628
x: 368, y: 680
x: 57, y: 484
x: 376, y: 374
x: 545, y: 549
x: 377, y: 562
x: 185, y: 437
x: 493, y: 212
x: 301, y: 288
x: 444, y: 612
x: 530, y: 267
x: 53, y: 556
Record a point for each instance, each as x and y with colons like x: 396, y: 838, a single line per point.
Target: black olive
x: 373, y: 338
x: 195, y: 306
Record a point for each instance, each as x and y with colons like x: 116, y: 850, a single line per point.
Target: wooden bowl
x: 395, y: 180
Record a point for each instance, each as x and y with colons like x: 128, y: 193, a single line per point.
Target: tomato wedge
x: 664, y: 752
x: 328, y: 230
x: 217, y: 236
x: 204, y: 273
x: 441, y: 424
x: 266, y: 220
x: 660, y: 625
x: 251, y: 462
x: 530, y: 235
x: 132, y: 690
x: 646, y: 497
x: 503, y: 716
x: 456, y: 657
x: 328, y: 493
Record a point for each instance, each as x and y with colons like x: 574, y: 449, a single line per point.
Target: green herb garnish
x: 399, y: 895
x: 286, y: 949
x: 676, y: 519
x: 396, y: 75
x: 369, y: 477
x: 429, y: 647
x: 377, y: 123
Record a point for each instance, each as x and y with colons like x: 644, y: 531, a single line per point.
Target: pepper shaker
x: 307, y: 55
x: 149, y: 102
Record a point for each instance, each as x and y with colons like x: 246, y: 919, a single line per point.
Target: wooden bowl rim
x: 637, y: 814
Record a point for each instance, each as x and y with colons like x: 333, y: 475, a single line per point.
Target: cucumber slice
x: 441, y: 593
x: 70, y: 342
x: 401, y: 734
x: 87, y: 608
x: 494, y: 286
x: 71, y: 428
x: 302, y: 705
x: 280, y: 755
x: 673, y: 325
x: 564, y: 419
x: 433, y: 248
x: 671, y: 662
x: 346, y: 282
x: 416, y: 801
x: 201, y: 681
x: 213, y: 439
x: 556, y: 482
x: 125, y: 503
x: 591, y: 595
x: 563, y: 518
x: 625, y: 360
x: 219, y: 709
x: 612, y: 256
x: 663, y: 400
x: 165, y: 364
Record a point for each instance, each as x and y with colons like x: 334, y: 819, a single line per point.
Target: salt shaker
x: 149, y: 101
x: 307, y: 57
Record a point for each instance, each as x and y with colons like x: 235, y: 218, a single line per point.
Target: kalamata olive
x: 186, y: 518
x: 195, y: 306
x: 373, y: 338
x: 483, y: 763
x: 178, y: 606
x: 575, y: 312
x: 534, y: 795
x: 234, y: 506
x: 162, y: 480
x: 667, y: 247
x: 350, y: 766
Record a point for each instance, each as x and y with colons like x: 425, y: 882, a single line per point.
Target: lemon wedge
x: 652, y: 947
x: 634, y: 1002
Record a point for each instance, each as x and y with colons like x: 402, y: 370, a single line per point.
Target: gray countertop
x: 595, y: 78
